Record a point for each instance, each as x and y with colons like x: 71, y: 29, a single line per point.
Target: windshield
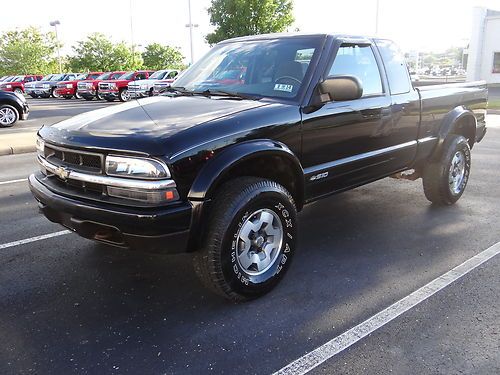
x: 127, y: 76
x: 104, y: 76
x: 57, y: 77
x: 268, y: 68
x: 116, y: 75
x: 47, y: 77
x: 158, y: 75
x: 18, y: 79
x: 81, y: 77
x: 9, y: 79
x: 93, y: 76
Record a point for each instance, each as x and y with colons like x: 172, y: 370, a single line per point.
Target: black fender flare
x: 449, y: 123
x: 203, y: 188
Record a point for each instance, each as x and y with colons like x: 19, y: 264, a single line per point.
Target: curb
x: 16, y: 150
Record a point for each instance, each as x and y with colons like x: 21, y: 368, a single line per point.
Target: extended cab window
x: 358, y: 61
x: 395, y: 66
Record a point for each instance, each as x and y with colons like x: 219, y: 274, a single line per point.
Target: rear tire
x: 250, y: 239
x: 445, y: 180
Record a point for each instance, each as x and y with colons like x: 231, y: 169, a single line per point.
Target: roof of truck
x: 298, y: 35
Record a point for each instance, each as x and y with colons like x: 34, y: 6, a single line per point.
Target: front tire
x: 250, y: 240
x: 123, y: 95
x: 445, y: 180
x: 54, y: 94
x: 8, y: 116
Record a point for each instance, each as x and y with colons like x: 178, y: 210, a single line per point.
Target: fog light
x: 147, y: 196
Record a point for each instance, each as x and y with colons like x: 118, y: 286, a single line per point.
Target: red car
x: 17, y: 83
x: 118, y: 89
x: 89, y: 89
x: 68, y: 89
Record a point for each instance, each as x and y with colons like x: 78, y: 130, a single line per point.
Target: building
x: 484, y: 48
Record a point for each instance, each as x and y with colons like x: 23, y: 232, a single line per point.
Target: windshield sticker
x: 283, y: 87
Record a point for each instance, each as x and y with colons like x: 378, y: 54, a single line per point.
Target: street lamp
x: 191, y: 25
x: 55, y: 23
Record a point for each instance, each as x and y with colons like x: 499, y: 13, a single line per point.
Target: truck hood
x: 142, y: 125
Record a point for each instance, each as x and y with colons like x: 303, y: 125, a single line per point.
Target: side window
x: 395, y: 66
x: 172, y: 75
x: 140, y: 76
x: 28, y: 79
x: 358, y: 61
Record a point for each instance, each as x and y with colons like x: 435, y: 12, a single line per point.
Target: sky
x: 417, y: 25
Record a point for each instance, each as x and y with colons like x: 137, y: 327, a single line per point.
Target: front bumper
x: 158, y: 229
x: 65, y: 91
x: 138, y: 93
x: 108, y: 94
x: 38, y: 91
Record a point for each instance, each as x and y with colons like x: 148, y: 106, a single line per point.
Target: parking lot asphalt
x: 71, y: 306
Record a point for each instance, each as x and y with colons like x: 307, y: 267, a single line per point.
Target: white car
x: 144, y: 87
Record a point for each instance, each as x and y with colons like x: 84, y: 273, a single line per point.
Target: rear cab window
x: 395, y: 67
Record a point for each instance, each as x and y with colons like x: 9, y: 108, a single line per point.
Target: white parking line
x: 326, y: 351
x: 33, y: 239
x: 13, y: 181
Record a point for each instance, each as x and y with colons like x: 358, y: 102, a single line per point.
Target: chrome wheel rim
x: 55, y: 94
x: 125, y: 95
x: 7, y: 116
x: 457, y: 172
x: 259, y: 241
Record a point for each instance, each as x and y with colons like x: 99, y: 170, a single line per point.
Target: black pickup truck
x: 260, y: 126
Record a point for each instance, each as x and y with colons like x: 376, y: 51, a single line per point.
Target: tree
x: 158, y: 57
x: 27, y: 51
x: 98, y: 53
x: 233, y: 18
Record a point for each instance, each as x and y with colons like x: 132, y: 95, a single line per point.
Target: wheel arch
x: 257, y: 158
x: 460, y: 121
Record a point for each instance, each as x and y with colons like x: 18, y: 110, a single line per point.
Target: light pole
x: 191, y: 25
x: 55, y: 23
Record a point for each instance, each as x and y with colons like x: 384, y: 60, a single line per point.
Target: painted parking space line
x: 338, y: 344
x: 13, y: 181
x: 34, y: 239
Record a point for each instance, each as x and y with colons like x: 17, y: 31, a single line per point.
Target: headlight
x: 69, y: 86
x: 46, y: 86
x: 144, y: 87
x: 112, y: 85
x: 89, y: 85
x: 40, y: 146
x: 9, y: 86
x: 136, y: 167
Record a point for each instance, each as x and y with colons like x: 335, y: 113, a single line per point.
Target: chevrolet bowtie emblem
x: 62, y: 172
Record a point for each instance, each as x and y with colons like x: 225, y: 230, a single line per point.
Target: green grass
x: 494, y: 103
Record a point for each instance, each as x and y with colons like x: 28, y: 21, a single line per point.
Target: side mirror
x: 340, y: 88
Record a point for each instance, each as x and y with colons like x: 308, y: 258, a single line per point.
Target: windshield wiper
x: 227, y: 94
x: 177, y: 90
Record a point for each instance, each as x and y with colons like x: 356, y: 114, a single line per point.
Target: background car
x: 145, y: 87
x: 69, y: 89
x: 17, y: 84
x: 89, y: 89
x: 47, y: 88
x: 12, y: 108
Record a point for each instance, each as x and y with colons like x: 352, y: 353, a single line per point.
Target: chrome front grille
x: 103, y: 86
x: 75, y: 159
